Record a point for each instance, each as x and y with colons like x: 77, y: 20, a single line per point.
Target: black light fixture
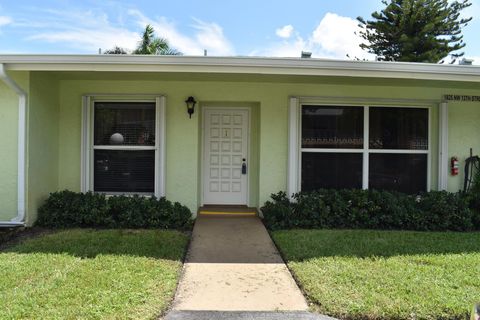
x: 190, y: 105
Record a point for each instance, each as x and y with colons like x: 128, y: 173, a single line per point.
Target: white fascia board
x: 242, y: 65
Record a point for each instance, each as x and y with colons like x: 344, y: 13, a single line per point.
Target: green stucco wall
x: 55, y: 125
x: 183, y: 143
x: 43, y: 141
x: 464, y: 133
x: 8, y: 145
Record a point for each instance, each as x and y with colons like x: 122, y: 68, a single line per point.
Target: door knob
x: 244, y: 167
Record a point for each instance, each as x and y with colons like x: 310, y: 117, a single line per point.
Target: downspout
x: 19, y: 220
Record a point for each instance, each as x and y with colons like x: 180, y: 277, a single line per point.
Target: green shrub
x: 474, y: 199
x: 474, y: 204
x: 442, y: 211
x: 281, y: 209
x: 310, y: 212
x: 371, y: 209
x: 72, y: 209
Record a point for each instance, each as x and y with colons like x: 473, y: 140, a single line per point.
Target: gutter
x: 19, y: 220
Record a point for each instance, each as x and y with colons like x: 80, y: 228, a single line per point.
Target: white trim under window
x: 296, y: 150
x: 88, y: 147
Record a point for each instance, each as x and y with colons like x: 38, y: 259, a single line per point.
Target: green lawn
x: 385, y: 274
x: 88, y: 274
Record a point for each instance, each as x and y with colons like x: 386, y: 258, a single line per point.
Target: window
x: 400, y: 172
x: 330, y: 135
x: 331, y: 170
x: 124, y: 171
x: 332, y: 127
x: 364, y: 147
x: 123, y: 146
x: 398, y: 128
x: 398, y: 140
x: 124, y: 123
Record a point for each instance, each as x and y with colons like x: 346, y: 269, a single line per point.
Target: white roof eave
x: 241, y: 65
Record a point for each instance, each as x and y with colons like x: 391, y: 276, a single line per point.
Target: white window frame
x: 295, y: 140
x: 88, y: 146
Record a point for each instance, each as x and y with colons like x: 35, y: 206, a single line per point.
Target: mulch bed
x: 12, y: 236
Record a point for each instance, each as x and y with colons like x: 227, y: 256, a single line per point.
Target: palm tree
x: 116, y: 50
x: 150, y: 44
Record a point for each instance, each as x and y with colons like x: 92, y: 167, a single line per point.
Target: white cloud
x: 285, y: 48
x: 4, y: 20
x: 334, y: 37
x: 91, y: 40
x: 91, y: 32
x: 166, y: 29
x: 208, y: 36
x: 285, y: 31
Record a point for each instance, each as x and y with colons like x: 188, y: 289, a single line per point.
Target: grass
x: 359, y: 274
x: 88, y: 274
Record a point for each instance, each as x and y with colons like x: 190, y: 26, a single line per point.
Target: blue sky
x: 222, y: 27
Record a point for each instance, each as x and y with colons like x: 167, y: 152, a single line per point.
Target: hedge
x: 67, y: 209
x: 372, y: 209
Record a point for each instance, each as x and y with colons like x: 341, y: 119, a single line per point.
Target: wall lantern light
x: 190, y: 105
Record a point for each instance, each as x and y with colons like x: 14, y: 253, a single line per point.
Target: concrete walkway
x: 245, y: 315
x: 233, y: 265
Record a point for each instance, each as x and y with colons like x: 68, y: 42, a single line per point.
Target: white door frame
x: 202, y: 151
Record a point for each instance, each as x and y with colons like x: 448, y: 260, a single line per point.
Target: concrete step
x: 222, y: 210
x: 244, y: 315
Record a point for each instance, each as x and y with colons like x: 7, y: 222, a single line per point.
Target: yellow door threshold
x: 225, y: 213
x: 227, y: 210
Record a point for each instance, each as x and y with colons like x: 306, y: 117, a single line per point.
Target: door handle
x: 244, y: 167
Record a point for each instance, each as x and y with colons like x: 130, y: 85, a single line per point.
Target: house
x: 120, y: 124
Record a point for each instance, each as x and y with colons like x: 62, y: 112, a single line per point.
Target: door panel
x: 225, y: 148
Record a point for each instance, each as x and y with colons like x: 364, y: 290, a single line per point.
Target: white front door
x: 225, y: 152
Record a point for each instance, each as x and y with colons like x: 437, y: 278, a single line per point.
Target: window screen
x: 124, y: 147
x: 331, y: 170
x: 124, y: 123
x: 332, y: 127
x: 124, y: 171
x: 398, y: 128
x: 333, y: 149
x: 398, y: 172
